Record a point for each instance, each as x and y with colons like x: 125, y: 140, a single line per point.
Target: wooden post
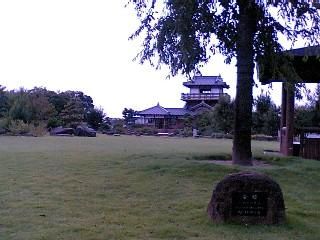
x: 283, y: 118
x: 289, y: 120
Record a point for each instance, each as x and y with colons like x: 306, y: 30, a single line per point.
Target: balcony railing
x: 201, y: 96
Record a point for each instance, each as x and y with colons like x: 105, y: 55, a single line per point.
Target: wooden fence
x: 309, y: 146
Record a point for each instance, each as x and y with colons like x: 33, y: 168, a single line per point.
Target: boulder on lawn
x: 61, y: 131
x: 85, y: 131
x: 3, y: 131
x: 247, y: 198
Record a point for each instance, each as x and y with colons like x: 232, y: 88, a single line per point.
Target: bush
x: 176, y: 132
x: 217, y: 135
x: 137, y: 126
x: 4, y: 124
x: 228, y: 136
x: 144, y: 131
x: 118, y: 129
x: 261, y: 137
x: 104, y: 127
x: 38, y: 130
x: 208, y: 131
x: 18, y: 127
x: 54, y: 122
x: 186, y: 132
x: 222, y: 135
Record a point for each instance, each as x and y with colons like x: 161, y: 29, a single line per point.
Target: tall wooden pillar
x: 290, y: 117
x: 287, y: 119
x: 283, y: 118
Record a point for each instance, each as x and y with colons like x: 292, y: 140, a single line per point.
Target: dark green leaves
x: 183, y: 34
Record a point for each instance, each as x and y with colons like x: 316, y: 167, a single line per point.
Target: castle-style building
x: 204, y: 93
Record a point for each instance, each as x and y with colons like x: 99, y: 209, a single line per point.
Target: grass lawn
x: 132, y: 187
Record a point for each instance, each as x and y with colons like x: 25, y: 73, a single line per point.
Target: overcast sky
x: 83, y: 45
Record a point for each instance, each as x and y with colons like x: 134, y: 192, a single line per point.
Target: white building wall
x: 141, y: 120
x: 216, y: 90
x: 194, y: 90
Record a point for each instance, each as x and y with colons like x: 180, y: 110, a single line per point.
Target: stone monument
x: 247, y: 198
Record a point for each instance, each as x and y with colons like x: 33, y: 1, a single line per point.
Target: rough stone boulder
x: 61, y: 131
x: 247, y: 198
x: 3, y: 131
x: 84, y: 131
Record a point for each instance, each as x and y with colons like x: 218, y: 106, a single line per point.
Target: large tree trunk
x: 243, y: 103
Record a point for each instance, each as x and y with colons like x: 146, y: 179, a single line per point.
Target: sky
x: 83, y: 45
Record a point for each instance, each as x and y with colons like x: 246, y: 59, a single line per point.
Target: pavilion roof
x: 201, y: 105
x: 295, y: 65
x: 304, y: 51
x: 206, y: 81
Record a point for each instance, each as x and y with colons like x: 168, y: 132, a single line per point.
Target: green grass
x: 138, y: 188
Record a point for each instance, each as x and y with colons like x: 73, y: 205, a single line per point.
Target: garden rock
x: 84, y: 131
x: 61, y: 131
x: 247, y: 198
x: 3, y: 131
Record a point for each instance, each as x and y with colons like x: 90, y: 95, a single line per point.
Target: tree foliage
x: 266, y: 117
x: 20, y: 108
x: 40, y: 106
x: 129, y: 116
x: 4, y: 102
x: 217, y: 120
x: 96, y: 118
x: 304, y: 117
x: 223, y: 114
x: 309, y: 115
x: 73, y: 113
x: 184, y: 34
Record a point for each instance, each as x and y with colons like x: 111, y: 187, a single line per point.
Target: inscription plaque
x: 249, y: 204
x: 247, y: 198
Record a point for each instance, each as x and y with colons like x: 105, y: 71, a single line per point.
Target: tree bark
x: 242, y: 154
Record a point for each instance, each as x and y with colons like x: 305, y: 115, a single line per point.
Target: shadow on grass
x: 273, y: 160
x: 222, y: 156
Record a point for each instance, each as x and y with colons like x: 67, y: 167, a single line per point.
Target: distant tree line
x: 41, y: 107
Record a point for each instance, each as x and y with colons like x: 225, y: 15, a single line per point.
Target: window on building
x: 205, y: 90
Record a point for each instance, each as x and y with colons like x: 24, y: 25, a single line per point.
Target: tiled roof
x: 177, y: 111
x: 159, y: 110
x: 206, y: 80
x: 156, y: 110
x: 199, y: 105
